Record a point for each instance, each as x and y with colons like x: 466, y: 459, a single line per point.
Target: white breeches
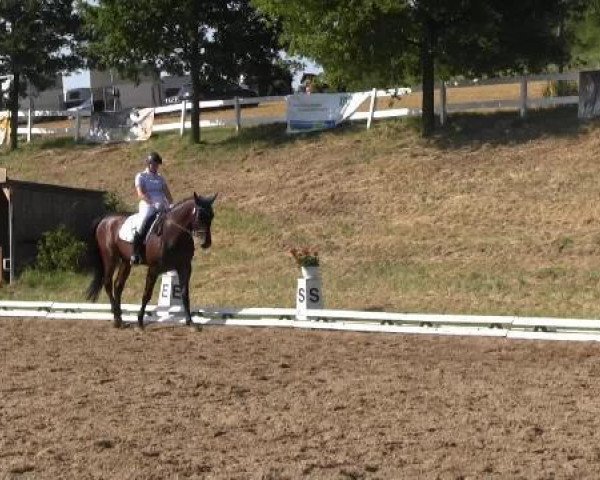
x: 145, y: 211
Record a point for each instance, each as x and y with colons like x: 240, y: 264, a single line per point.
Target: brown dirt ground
x: 82, y: 400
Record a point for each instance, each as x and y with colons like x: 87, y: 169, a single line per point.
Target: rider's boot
x: 138, y: 241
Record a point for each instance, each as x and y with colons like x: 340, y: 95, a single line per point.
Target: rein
x: 189, y: 231
x: 183, y: 229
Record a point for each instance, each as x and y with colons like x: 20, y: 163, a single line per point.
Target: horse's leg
x: 184, y: 274
x: 151, y: 277
x: 109, y: 270
x: 119, y: 285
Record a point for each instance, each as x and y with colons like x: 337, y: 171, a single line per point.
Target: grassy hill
x: 494, y: 216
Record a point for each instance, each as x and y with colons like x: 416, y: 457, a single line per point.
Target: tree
x: 582, y: 28
x: 367, y: 43
x: 37, y: 42
x: 212, y: 40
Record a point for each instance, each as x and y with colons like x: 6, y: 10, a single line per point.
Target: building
x: 123, y: 92
x: 50, y: 99
x: 108, y: 91
x: 29, y: 209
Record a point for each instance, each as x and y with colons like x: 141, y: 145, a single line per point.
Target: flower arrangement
x: 305, y: 257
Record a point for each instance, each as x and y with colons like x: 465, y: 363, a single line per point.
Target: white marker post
x: 169, y: 295
x: 309, y: 294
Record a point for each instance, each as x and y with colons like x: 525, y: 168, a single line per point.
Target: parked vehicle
x: 77, y: 96
x: 211, y: 92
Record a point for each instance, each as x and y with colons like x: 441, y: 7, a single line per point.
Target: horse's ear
x: 196, y: 198
x: 213, y: 198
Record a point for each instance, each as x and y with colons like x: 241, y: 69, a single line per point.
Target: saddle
x: 130, y: 227
x: 156, y: 222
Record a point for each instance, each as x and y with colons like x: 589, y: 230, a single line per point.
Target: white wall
x: 50, y: 99
x: 145, y: 94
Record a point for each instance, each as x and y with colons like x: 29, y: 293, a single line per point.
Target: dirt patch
x: 82, y: 400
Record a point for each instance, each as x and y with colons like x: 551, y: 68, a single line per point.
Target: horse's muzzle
x: 206, y: 238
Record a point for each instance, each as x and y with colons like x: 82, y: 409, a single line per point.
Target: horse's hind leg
x: 151, y: 277
x: 122, y: 276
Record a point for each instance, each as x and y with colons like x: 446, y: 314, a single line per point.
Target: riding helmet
x: 154, y: 157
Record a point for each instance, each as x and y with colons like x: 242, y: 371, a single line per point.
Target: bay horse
x: 173, y: 249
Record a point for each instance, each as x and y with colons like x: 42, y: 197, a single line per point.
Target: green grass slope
x: 493, y: 216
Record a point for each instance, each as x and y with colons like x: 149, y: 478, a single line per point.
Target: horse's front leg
x: 184, y: 274
x: 122, y: 276
x: 150, y: 281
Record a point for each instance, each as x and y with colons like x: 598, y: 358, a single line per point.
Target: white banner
x: 4, y: 128
x: 126, y: 125
x: 318, y: 111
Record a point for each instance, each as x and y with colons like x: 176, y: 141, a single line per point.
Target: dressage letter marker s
x: 309, y: 295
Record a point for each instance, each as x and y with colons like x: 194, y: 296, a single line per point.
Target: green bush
x: 60, y: 250
x: 113, y: 203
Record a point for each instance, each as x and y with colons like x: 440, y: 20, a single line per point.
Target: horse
x: 172, y: 249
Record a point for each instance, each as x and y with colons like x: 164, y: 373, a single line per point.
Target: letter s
x: 314, y: 295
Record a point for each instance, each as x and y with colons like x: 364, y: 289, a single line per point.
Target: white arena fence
x: 375, y: 111
x: 513, y: 327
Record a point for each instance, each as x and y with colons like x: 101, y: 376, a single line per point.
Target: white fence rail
x: 522, y: 104
x: 539, y: 328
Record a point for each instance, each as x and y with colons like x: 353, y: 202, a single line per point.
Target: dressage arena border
x: 534, y: 328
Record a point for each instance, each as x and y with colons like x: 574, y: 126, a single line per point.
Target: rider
x: 154, y: 195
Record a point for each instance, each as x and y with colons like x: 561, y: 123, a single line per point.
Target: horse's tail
x: 96, y: 263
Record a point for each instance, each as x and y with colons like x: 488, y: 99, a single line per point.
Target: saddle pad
x: 129, y: 227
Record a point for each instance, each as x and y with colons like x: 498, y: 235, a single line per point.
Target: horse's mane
x: 181, y: 202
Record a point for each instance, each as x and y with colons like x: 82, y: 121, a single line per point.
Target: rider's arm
x: 168, y: 194
x: 140, y: 189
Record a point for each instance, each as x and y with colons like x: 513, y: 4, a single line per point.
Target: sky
x: 76, y: 80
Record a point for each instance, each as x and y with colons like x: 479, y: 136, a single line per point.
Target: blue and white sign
x: 319, y: 111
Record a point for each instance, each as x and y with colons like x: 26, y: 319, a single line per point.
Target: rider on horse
x: 154, y: 196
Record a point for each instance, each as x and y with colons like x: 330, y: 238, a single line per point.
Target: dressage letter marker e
x: 308, y: 296
x: 170, y: 291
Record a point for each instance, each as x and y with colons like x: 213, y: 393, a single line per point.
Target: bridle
x: 195, y: 223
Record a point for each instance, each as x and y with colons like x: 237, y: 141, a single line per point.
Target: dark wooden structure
x: 29, y: 209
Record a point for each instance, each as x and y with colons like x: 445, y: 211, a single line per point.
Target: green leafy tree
x: 37, y: 41
x: 581, y: 27
x: 367, y: 43
x: 212, y: 40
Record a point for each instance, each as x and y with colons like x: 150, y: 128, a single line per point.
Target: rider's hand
x: 158, y: 206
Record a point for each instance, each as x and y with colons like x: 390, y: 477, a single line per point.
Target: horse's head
x: 203, y: 215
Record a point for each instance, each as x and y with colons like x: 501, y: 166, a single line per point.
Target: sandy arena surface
x: 82, y: 400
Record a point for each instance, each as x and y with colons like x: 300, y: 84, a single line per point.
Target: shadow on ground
x: 462, y: 129
x: 276, y: 135
x: 507, y: 128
